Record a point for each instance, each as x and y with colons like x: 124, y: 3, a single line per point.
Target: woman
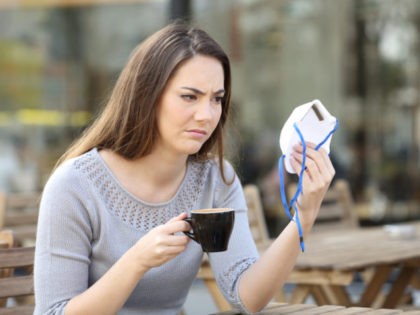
x: 112, y: 214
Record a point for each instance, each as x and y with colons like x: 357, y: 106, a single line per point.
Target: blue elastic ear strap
x: 292, y: 204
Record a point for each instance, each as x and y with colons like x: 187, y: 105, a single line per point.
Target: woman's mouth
x: 197, y: 133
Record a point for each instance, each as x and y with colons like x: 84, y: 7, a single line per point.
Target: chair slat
x: 337, y: 209
x: 18, y: 310
x: 13, y: 285
x: 17, y: 257
x: 256, y: 217
x: 6, y: 238
x: 21, y: 217
x: 24, y: 232
x: 16, y: 286
x: 19, y: 213
x: 22, y: 200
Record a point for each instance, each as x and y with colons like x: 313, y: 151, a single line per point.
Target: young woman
x: 111, y: 218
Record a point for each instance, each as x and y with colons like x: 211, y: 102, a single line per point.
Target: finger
x: 165, y: 240
x: 330, y: 167
x: 315, y: 174
x: 296, y: 162
x: 176, y: 226
x: 318, y: 167
x: 181, y: 216
x: 299, y: 147
x: 323, y: 162
x: 321, y: 159
x: 178, y: 240
x: 309, y: 161
x: 166, y: 253
x: 310, y: 147
x: 311, y: 170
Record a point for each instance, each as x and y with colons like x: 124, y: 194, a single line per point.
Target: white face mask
x: 315, y: 124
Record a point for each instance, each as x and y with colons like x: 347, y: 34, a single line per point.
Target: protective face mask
x: 314, y: 123
x: 310, y: 122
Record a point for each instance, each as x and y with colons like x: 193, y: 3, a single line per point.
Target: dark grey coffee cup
x: 211, y: 228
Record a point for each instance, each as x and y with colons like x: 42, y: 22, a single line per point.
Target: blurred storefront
x: 59, y: 59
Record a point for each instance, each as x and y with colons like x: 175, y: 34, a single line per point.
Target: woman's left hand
x: 317, y: 177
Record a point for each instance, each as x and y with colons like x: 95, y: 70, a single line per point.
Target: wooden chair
x: 13, y: 285
x: 6, y: 241
x: 256, y: 217
x: 259, y: 232
x: 19, y: 213
x: 337, y: 209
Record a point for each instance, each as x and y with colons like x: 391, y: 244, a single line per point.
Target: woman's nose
x: 204, y: 111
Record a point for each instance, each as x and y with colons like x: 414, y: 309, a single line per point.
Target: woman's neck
x: 154, y: 179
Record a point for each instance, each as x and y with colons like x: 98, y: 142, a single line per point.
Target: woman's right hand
x: 162, y: 243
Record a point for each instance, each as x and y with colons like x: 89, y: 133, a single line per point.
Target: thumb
x: 179, y: 217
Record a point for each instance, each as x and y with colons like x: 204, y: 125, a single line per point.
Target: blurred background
x: 361, y: 58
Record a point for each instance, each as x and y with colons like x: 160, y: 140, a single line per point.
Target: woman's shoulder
x: 71, y: 171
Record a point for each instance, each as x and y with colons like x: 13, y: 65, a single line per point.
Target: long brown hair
x: 128, y: 123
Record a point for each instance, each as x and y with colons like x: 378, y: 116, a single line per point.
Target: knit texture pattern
x: 88, y: 220
x: 134, y: 212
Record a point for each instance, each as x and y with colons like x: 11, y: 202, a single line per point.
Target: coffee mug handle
x: 188, y: 233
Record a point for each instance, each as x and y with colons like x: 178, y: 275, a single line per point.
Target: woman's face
x: 191, y: 105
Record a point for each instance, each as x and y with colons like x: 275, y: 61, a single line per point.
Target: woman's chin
x: 193, y: 150
x: 190, y: 148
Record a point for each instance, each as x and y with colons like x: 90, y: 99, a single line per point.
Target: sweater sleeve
x: 63, y: 244
x: 228, y: 266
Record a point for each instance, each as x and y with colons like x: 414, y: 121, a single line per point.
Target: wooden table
x: 308, y: 309
x: 332, y: 260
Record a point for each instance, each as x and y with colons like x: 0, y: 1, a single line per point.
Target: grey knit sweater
x: 88, y: 220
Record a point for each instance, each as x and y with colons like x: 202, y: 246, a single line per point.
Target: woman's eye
x: 218, y: 99
x: 189, y: 97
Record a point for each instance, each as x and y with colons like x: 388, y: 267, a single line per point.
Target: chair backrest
x: 16, y: 276
x: 6, y: 238
x: 337, y: 209
x: 19, y: 213
x: 2, y: 208
x: 256, y: 216
x: 6, y: 241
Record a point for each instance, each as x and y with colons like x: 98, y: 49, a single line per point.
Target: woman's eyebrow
x: 221, y: 91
